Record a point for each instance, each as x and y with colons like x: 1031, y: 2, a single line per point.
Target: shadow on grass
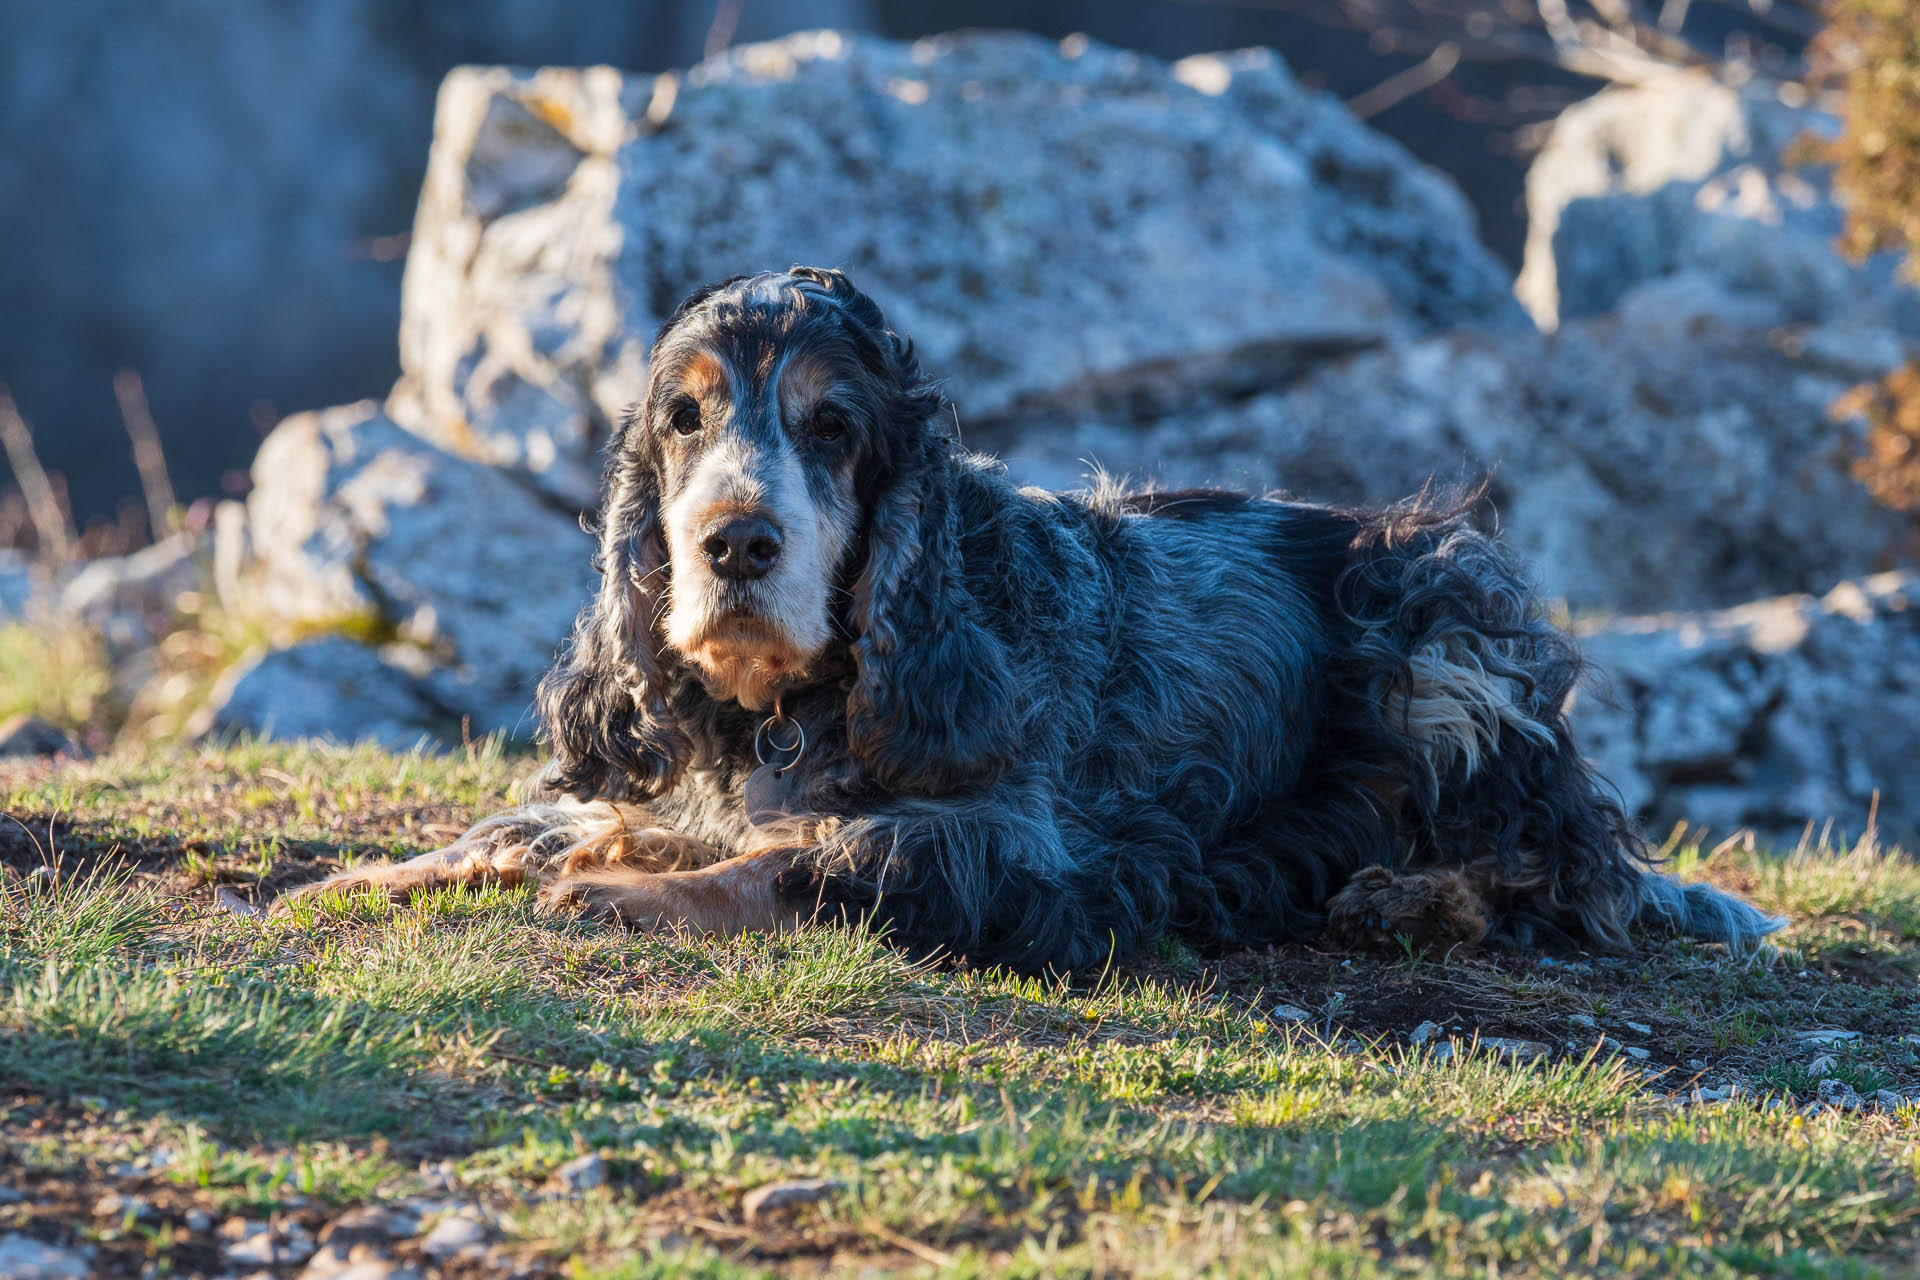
x: 183, y: 859
x: 244, y: 1058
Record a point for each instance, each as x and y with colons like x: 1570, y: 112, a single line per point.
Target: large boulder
x: 1772, y: 715
x: 359, y: 526
x: 1679, y: 452
x: 1688, y: 174
x: 1053, y: 223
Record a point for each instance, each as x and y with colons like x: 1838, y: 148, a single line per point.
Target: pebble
x: 450, y: 1235
x: 1424, y: 1032
x: 353, y: 1241
x: 1822, y: 1066
x: 1582, y: 1020
x: 781, y: 1195
x: 1517, y: 1050
x: 1291, y: 1013
x: 115, y: 1205
x: 28, y: 735
x: 265, y: 1248
x: 1639, y: 1028
x: 1889, y: 1100
x: 361, y: 1262
x: 1638, y: 1054
x: 24, y: 1258
x: 1826, y: 1036
x: 582, y: 1173
x: 198, y: 1220
x: 371, y: 1223
x: 375, y: 1269
x: 1838, y: 1093
x: 438, y: 1177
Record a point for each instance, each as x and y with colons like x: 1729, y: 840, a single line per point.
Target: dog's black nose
x: 742, y: 547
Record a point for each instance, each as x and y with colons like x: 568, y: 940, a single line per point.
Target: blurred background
x: 218, y: 198
x: 317, y: 313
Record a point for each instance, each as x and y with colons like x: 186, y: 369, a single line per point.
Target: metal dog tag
x: 770, y: 797
x: 772, y: 793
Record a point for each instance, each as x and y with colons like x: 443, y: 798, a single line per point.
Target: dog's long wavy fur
x: 1053, y: 727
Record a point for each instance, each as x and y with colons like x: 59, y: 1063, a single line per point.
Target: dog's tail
x: 1701, y: 911
x: 1461, y: 682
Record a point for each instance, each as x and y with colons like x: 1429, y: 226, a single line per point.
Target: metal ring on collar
x: 763, y: 740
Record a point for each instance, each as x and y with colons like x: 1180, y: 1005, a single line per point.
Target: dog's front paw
x: 598, y: 899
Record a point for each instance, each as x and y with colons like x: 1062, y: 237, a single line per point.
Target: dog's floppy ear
x: 603, y: 709
x: 933, y: 709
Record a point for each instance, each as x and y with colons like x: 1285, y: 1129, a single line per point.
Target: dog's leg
x: 738, y: 895
x: 468, y: 860
x: 642, y: 848
x: 524, y: 843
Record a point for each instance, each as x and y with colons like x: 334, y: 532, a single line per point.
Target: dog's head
x: 779, y: 488
x: 776, y: 403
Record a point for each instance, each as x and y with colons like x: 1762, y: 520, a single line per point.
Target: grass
x: 457, y: 1051
x: 58, y: 671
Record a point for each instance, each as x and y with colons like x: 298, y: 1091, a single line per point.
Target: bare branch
x: 726, y: 21
x: 1397, y: 88
x: 147, y: 454
x: 50, y: 523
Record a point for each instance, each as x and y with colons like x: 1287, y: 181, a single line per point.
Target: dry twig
x: 50, y: 522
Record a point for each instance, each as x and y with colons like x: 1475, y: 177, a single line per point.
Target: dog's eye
x: 685, y: 418
x: 827, y: 425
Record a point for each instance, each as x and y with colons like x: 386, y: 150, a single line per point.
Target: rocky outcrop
x: 358, y: 524
x: 1680, y: 449
x: 1688, y: 175
x: 1197, y: 273
x: 1772, y: 715
x: 1054, y: 224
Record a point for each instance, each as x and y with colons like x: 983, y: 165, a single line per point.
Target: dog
x: 841, y: 668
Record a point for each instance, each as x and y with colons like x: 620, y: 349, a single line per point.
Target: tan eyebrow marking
x: 705, y: 377
x: 804, y: 383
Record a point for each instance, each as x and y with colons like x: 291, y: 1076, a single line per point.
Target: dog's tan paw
x: 598, y: 899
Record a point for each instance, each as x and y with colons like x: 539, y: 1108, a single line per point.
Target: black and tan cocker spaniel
x: 839, y: 667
